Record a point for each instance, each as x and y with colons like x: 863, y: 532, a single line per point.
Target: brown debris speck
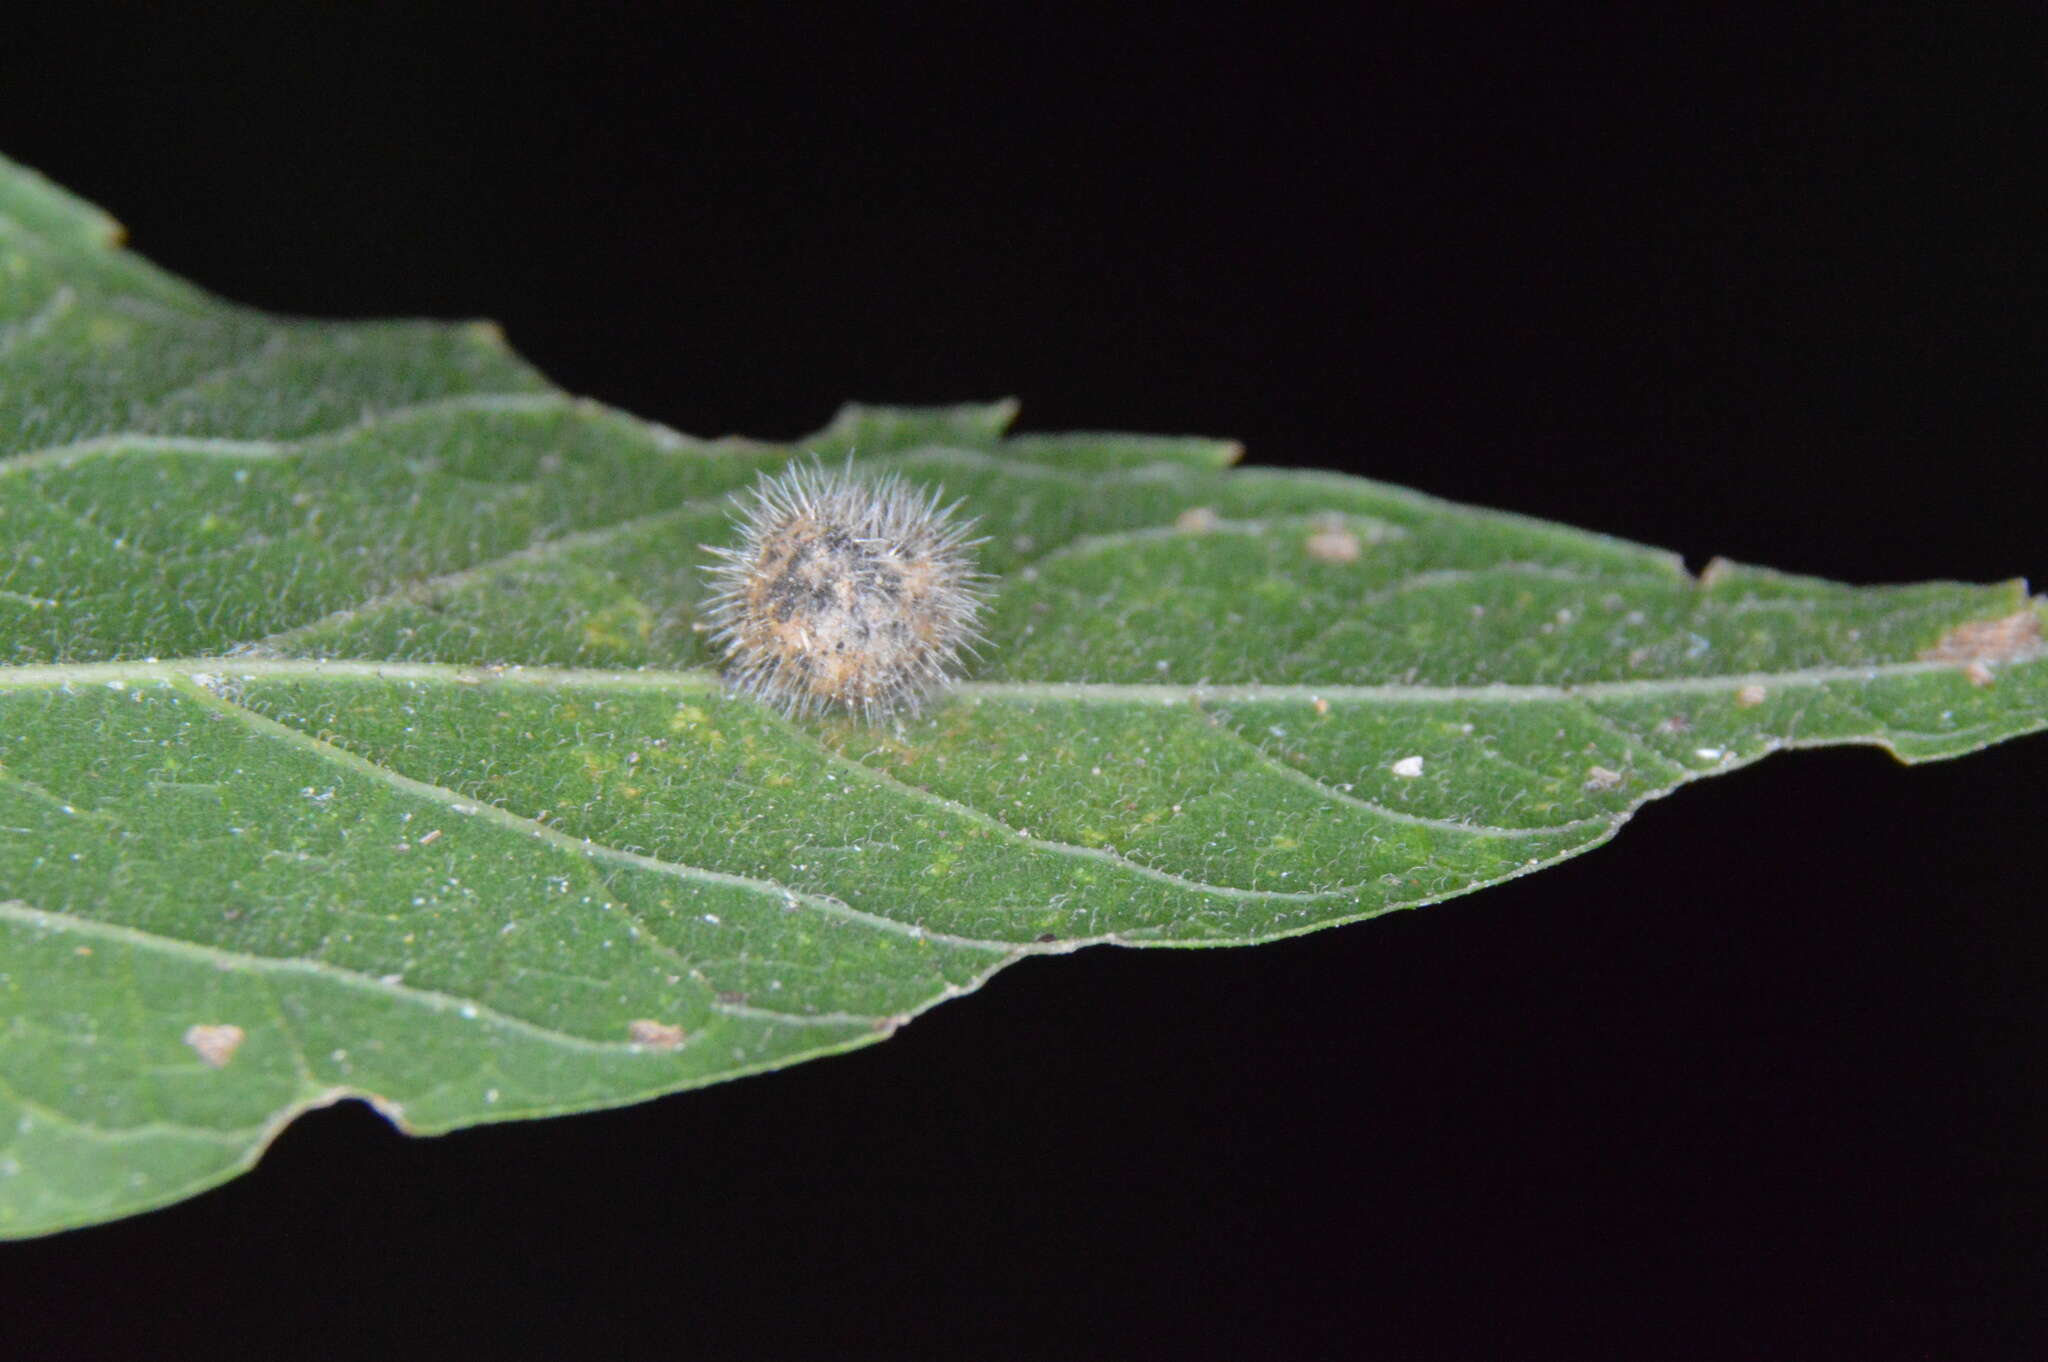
x: 1749, y: 697
x: 1334, y: 545
x: 657, y: 1035
x: 215, y: 1045
x: 1196, y: 520
x: 1978, y: 675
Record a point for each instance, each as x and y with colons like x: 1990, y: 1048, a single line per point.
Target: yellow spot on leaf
x: 108, y: 333
x: 694, y: 721
x: 622, y: 626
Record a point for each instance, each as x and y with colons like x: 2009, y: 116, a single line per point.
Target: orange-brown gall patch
x: 2005, y: 639
x: 844, y: 594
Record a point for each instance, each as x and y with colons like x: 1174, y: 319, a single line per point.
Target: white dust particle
x: 1749, y: 697
x: 658, y: 1035
x: 1600, y: 778
x: 1407, y: 767
x: 1709, y: 753
x: 215, y: 1045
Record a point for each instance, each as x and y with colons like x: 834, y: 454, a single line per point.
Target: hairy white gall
x: 844, y: 593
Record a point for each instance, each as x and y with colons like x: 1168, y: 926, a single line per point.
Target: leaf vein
x: 981, y: 818
x: 271, y: 969
x: 1297, y: 776
x: 580, y: 847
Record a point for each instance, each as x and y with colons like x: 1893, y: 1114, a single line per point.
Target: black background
x: 1763, y: 1079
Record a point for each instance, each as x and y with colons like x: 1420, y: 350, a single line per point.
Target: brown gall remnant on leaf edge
x: 2005, y: 639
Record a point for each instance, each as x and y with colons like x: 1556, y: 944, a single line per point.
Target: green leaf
x: 358, y: 737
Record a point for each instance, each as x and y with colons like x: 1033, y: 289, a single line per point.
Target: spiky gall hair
x: 844, y: 593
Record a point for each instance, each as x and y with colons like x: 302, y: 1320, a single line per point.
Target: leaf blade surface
x: 358, y: 735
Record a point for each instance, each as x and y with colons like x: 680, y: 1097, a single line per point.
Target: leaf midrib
x: 700, y: 681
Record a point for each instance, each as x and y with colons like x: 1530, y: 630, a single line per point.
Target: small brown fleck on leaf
x: 215, y: 1045
x: 1600, y: 778
x: 1333, y: 546
x: 731, y: 997
x: 1749, y: 697
x: 1717, y: 570
x: 659, y: 1035
x: 1196, y: 520
x: 431, y: 838
x: 2001, y: 640
x: 1322, y: 705
x: 1978, y: 675
x: 1677, y: 723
